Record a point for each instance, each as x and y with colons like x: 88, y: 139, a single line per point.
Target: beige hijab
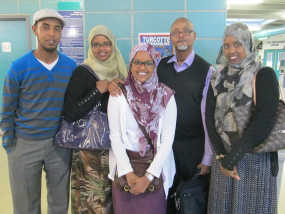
x: 112, y: 68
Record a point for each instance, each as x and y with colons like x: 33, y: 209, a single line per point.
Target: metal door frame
x: 25, y: 18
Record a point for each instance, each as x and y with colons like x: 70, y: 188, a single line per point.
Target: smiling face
x: 101, y: 47
x: 233, y: 50
x: 182, y: 35
x: 142, y: 66
x: 48, y: 33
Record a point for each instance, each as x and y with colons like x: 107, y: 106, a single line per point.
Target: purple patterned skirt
x: 146, y: 203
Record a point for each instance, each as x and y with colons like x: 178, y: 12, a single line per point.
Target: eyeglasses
x: 99, y: 45
x: 147, y: 63
x: 185, y: 32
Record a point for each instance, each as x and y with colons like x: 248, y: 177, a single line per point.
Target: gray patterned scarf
x: 232, y: 85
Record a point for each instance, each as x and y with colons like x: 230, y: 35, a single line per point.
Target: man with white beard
x: 185, y: 72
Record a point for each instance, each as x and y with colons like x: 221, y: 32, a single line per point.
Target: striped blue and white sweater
x: 33, y: 98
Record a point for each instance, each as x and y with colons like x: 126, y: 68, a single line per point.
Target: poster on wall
x: 72, y: 41
x: 161, y: 42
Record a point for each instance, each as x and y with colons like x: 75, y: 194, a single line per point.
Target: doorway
x: 15, y: 41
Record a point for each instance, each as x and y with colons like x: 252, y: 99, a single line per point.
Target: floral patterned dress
x: 91, y: 191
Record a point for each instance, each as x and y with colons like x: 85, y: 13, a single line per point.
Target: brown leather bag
x: 139, y: 165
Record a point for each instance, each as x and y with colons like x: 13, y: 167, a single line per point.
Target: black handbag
x: 192, y: 196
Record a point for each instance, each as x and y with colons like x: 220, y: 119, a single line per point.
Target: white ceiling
x: 268, y: 15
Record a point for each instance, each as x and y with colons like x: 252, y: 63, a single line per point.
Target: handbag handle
x: 281, y: 94
x: 142, y: 128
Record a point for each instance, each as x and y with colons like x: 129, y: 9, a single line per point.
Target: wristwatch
x: 149, y: 176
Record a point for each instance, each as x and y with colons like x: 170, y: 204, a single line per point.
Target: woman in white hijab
x: 91, y: 188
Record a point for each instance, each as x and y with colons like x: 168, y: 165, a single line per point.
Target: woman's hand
x: 102, y: 85
x: 114, y: 89
x: 231, y: 173
x: 131, y: 179
x: 140, y: 186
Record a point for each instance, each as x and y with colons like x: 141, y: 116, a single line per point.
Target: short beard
x: 182, y: 47
x: 50, y: 50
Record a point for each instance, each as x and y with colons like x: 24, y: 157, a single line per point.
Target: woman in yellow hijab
x: 90, y: 186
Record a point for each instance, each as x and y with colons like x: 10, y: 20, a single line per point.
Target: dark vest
x: 189, y: 136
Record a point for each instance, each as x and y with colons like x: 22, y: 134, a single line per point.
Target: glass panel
x: 281, y: 62
x: 269, y: 60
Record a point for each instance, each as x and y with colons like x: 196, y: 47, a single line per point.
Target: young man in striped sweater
x: 33, y: 97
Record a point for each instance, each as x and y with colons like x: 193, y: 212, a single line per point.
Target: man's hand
x: 113, y: 87
x: 141, y: 185
x: 204, y: 169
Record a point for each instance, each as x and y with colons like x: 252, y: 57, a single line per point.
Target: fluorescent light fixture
x: 245, y: 20
x: 244, y: 2
x: 282, y: 14
x: 253, y: 24
x: 253, y: 28
x: 262, y: 38
x: 268, y: 21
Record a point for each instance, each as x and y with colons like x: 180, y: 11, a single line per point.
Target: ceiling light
x: 244, y: 2
x: 262, y: 38
x: 254, y: 28
x: 72, y: 32
x: 281, y: 14
x: 253, y: 24
x: 268, y: 21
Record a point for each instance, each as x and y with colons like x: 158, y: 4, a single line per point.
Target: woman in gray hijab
x: 241, y: 181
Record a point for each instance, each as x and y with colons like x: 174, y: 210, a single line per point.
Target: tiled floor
x: 5, y: 196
